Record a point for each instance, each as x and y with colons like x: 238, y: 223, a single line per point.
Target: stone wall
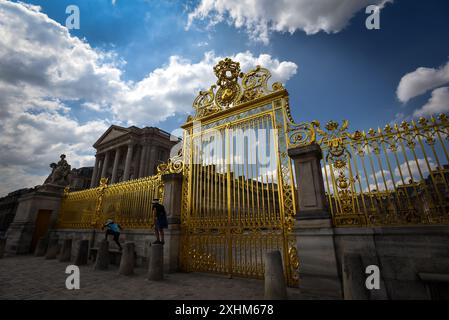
x: 403, y: 255
x: 8, y: 208
x: 142, y: 239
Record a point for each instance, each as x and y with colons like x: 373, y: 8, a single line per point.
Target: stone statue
x: 60, y: 173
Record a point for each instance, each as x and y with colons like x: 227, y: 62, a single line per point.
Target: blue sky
x: 343, y: 70
x: 351, y: 75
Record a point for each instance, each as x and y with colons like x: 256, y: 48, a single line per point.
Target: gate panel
x: 235, y: 208
x: 238, y: 188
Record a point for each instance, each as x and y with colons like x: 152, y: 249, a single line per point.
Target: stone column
x: 315, y: 235
x: 104, y: 170
x: 172, y: 204
x: 95, y: 172
x: 129, y: 156
x: 152, y: 161
x: 115, y: 166
x: 97, y: 177
x: 136, y: 162
x: 143, y: 161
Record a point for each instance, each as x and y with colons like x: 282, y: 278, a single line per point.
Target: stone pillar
x: 115, y: 166
x: 53, y: 249
x: 83, y: 252
x: 127, y: 260
x: 275, y: 288
x: 41, y: 247
x: 172, y: 235
x: 152, y: 161
x: 319, y: 272
x: 66, y: 253
x: 309, y: 177
x: 156, y: 268
x: 97, y: 178
x: 129, y: 156
x: 143, y: 161
x: 136, y: 163
x: 93, y: 181
x: 102, y: 261
x: 104, y: 170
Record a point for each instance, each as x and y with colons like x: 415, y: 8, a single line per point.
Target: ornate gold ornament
x: 228, y: 92
x: 389, y: 176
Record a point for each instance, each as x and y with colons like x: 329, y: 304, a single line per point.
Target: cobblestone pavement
x: 29, y: 277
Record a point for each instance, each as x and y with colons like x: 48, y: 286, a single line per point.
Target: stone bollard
x: 102, y: 261
x: 66, y: 254
x: 2, y: 246
x: 127, y: 261
x: 83, y: 251
x: 41, y: 247
x: 156, y: 268
x: 275, y: 288
x: 53, y: 248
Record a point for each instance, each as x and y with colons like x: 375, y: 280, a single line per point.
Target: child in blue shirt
x: 114, y: 230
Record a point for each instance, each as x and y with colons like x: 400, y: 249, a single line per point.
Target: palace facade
x: 130, y: 153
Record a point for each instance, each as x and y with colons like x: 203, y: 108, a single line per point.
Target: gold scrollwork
x: 228, y: 92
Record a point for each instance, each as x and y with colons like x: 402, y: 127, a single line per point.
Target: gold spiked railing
x: 127, y: 203
x: 398, y: 175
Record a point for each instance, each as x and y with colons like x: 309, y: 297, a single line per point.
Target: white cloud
x: 415, y: 167
x: 172, y: 88
x: 261, y: 17
x: 438, y: 103
x: 420, y: 81
x: 43, y: 68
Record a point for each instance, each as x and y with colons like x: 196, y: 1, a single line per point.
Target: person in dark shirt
x: 113, y: 229
x: 160, y: 221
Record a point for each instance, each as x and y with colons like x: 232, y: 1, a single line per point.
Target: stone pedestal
x: 66, y: 253
x: 22, y: 229
x: 172, y: 235
x: 309, y: 177
x: 83, y: 252
x: 156, y: 268
x: 275, y: 288
x: 319, y: 271
x: 102, y: 261
x: 127, y: 260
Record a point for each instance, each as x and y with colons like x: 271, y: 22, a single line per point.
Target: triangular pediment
x: 112, y: 133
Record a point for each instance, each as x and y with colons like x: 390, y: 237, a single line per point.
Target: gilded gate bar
x: 239, y: 186
x: 128, y: 203
x: 398, y: 175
